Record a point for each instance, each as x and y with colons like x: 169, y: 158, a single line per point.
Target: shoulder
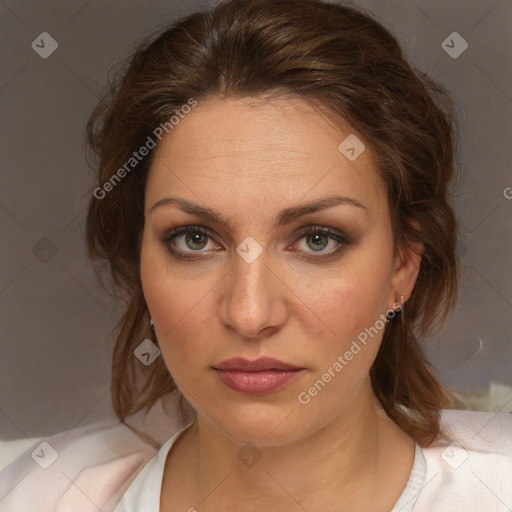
x: 10, y: 450
x: 480, y: 431
x: 471, y: 468
x: 95, y: 463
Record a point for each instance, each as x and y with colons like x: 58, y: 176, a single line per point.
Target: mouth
x: 261, y: 376
x: 260, y: 364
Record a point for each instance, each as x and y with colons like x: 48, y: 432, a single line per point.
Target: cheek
x: 181, y: 309
x: 351, y: 307
x: 348, y: 308
x: 352, y: 301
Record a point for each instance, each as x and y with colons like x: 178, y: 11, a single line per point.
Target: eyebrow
x: 286, y: 216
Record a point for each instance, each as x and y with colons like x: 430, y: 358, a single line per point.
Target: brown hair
x: 340, y: 57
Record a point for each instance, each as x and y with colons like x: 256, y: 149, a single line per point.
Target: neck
x: 342, y: 466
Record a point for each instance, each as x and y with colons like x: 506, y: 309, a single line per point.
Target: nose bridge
x: 250, y: 303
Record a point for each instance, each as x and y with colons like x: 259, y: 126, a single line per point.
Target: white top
x: 109, y: 468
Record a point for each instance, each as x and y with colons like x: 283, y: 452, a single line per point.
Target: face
x: 263, y: 278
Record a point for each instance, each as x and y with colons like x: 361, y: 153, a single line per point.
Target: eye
x: 319, y: 237
x: 184, y: 238
x: 183, y: 241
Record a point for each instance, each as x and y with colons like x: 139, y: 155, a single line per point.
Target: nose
x: 254, y: 299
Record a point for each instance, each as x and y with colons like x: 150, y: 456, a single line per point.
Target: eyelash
x: 309, y: 230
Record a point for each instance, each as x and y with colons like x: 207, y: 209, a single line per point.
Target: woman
x: 274, y: 201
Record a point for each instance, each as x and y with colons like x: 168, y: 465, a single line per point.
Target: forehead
x: 284, y: 149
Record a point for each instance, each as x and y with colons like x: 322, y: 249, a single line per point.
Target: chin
x: 260, y: 423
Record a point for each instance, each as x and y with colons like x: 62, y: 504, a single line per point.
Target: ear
x: 406, y: 268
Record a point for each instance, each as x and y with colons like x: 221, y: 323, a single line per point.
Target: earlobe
x: 407, y: 266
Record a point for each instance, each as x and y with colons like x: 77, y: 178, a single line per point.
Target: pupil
x: 195, y: 238
x: 318, y: 237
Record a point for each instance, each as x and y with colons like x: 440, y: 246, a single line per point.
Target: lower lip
x: 256, y: 382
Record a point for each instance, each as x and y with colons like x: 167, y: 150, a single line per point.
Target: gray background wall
x: 55, y: 357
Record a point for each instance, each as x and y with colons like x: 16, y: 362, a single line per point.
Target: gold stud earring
x: 402, y: 304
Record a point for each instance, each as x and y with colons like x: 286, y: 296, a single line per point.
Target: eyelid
x: 338, y: 236
x: 332, y: 232
x: 172, y: 233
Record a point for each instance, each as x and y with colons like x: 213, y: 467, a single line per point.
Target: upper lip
x: 262, y: 363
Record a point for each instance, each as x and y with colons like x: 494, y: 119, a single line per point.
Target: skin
x: 248, y: 160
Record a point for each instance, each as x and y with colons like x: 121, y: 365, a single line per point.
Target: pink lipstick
x: 260, y: 376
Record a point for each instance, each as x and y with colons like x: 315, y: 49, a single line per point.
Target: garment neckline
x: 409, y: 496
x: 148, y: 483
